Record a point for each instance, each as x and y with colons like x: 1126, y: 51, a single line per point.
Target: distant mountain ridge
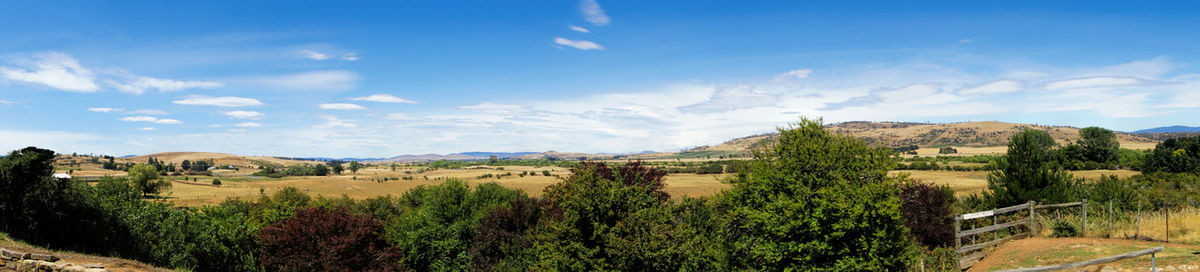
x: 1169, y: 129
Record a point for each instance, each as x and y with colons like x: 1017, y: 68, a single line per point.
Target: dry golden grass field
x: 368, y: 183
x: 969, y: 182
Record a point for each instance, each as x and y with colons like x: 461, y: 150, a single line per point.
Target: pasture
x: 380, y: 181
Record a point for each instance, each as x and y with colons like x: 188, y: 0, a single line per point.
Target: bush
x: 216, y: 182
x: 436, y: 232
x: 947, y: 150
x: 1064, y: 229
x: 1029, y: 172
x: 927, y: 212
x: 817, y: 201
x: 327, y: 240
x: 1179, y: 155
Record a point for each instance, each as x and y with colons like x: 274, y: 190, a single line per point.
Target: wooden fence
x: 1030, y: 223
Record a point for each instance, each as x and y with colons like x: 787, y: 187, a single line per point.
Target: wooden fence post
x: 957, y: 228
x: 1137, y: 224
x: 1083, y: 227
x: 1110, y: 220
x: 1168, y: 234
x: 1032, y: 219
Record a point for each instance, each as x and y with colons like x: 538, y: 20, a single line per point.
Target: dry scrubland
x: 1032, y: 252
x: 968, y: 182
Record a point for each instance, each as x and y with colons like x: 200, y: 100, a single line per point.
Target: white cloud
x: 490, y: 106
x: 314, y: 55
x: 725, y: 99
x: 350, y: 57
x: 105, y: 110
x: 1093, y: 82
x: 60, y: 141
x: 223, y: 101
x: 580, y: 29
x: 53, y: 69
x: 578, y: 44
x: 336, y: 80
x: 244, y: 114
x: 248, y: 124
x: 340, y: 106
x: 334, y: 122
x: 134, y: 84
x: 147, y: 128
x: 794, y: 74
x: 593, y: 13
x: 151, y: 119
x: 237, y: 130
x: 6, y: 102
x: 385, y: 98
x: 148, y: 112
x: 966, y: 41
x: 398, y: 116
x: 994, y: 87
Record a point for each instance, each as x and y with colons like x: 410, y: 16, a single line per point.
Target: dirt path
x: 1033, y: 252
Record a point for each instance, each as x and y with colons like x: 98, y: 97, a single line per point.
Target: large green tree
x: 1099, y: 144
x: 1178, y: 155
x: 145, y: 178
x: 1028, y: 171
x: 817, y: 201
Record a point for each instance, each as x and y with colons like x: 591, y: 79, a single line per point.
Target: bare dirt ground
x: 111, y: 264
x: 1033, y: 252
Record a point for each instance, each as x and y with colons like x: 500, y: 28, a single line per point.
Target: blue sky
x: 373, y: 79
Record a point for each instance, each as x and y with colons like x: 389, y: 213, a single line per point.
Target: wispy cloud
x: 248, y: 124
x: 222, y: 101
x: 1093, y: 82
x: 52, y: 69
x: 314, y: 55
x: 147, y: 128
x: 6, y: 102
x: 384, y: 98
x: 148, y: 112
x: 580, y: 29
x: 578, y: 44
x: 340, y: 106
x: 333, y: 80
x: 135, y: 84
x: 350, y: 56
x: 105, y: 110
x: 244, y: 114
x: 794, y: 74
x: 994, y: 87
x: 593, y: 13
x: 151, y: 119
x: 334, y: 122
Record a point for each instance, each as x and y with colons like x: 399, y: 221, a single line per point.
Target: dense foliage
x: 1028, y: 172
x: 927, y: 212
x: 1179, y: 155
x: 317, y: 239
x: 817, y: 201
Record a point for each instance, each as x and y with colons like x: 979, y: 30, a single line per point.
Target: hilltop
x: 978, y: 135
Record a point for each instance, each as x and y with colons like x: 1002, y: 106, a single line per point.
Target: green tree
x: 145, y: 178
x: 817, y: 201
x: 186, y: 165
x: 1028, y: 172
x: 354, y: 166
x: 1178, y: 155
x: 1099, y: 144
x: 438, y: 230
x: 320, y: 170
x: 337, y: 168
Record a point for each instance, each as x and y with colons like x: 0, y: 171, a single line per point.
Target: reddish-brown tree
x: 317, y: 239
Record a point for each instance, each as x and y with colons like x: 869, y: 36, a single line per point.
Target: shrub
x: 1064, y: 229
x: 326, y: 240
x: 501, y: 235
x: 1028, y: 172
x: 947, y: 150
x: 216, y: 182
x: 817, y: 201
x: 435, y: 233
x: 927, y: 212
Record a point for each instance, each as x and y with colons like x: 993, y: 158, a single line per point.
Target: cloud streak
x: 384, y: 98
x: 222, y: 101
x: 593, y: 13
x: 578, y: 44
